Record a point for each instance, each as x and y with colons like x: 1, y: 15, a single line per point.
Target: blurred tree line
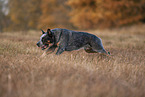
x: 82, y: 14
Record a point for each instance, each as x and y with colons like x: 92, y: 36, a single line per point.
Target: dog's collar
x: 53, y: 37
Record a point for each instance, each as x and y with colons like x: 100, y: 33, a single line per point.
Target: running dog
x: 68, y: 40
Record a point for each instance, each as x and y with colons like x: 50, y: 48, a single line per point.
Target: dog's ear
x: 42, y: 31
x: 49, y: 32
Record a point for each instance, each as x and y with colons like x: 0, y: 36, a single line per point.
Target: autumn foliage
x: 106, y: 13
x: 83, y: 14
x: 53, y: 13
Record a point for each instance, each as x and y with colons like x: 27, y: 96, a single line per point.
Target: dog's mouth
x: 43, y: 47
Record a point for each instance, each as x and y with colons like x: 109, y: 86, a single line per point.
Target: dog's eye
x: 43, y: 39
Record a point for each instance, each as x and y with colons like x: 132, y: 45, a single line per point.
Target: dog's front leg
x: 60, y: 50
x: 49, y: 50
x: 43, y: 55
x: 62, y: 44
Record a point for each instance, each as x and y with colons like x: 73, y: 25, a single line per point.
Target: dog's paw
x: 43, y: 55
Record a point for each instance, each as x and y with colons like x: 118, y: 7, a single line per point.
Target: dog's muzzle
x: 42, y: 46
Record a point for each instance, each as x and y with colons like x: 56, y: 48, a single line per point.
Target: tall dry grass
x: 73, y: 74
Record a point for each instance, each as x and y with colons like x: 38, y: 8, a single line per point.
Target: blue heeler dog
x: 68, y: 40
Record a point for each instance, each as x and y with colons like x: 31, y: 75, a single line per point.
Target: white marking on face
x: 41, y: 43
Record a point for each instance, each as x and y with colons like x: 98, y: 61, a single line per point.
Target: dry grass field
x: 74, y: 74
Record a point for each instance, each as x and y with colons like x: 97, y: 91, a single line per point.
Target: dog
x: 68, y: 40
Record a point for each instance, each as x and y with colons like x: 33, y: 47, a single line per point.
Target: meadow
x: 74, y: 74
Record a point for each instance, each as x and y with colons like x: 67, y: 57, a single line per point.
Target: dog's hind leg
x: 97, y: 46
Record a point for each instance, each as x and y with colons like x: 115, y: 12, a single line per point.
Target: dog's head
x: 45, y: 39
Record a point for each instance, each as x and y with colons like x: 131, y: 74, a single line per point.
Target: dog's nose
x: 38, y: 44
